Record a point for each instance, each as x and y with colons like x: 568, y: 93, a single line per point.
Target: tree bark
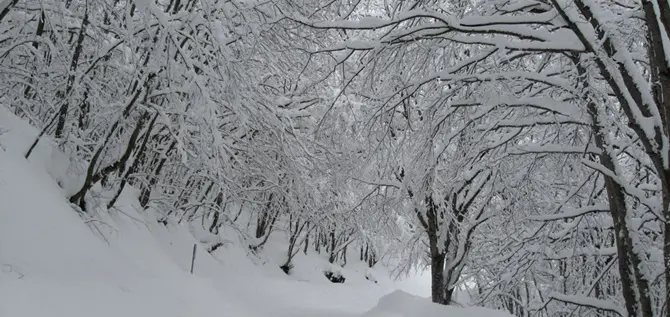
x: 633, y: 285
x: 62, y: 112
x: 660, y: 79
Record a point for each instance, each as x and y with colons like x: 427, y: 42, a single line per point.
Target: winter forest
x: 518, y: 149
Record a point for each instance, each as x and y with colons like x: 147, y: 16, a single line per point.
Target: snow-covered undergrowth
x: 123, y: 262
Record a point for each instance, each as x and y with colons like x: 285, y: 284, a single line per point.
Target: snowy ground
x: 123, y: 263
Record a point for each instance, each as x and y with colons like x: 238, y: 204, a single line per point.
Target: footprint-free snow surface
x: 122, y: 262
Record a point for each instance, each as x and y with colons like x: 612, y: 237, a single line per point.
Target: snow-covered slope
x: 122, y: 262
x: 402, y: 304
x: 53, y: 263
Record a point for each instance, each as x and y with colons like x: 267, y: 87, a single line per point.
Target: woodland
x: 520, y: 149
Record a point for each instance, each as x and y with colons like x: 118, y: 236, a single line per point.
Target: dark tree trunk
x: 437, y: 256
x: 145, y: 194
x: 317, y: 242
x: 306, y: 244
x: 627, y: 259
x: 91, y: 176
x: 38, y: 34
x: 333, y: 254
x: 437, y: 287
x: 214, y: 227
x: 660, y: 78
x: 344, y: 256
x: 62, y: 112
x: 138, y: 158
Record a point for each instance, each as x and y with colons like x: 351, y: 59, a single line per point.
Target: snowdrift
x: 402, y: 304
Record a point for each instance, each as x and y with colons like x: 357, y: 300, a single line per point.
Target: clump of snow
x: 334, y: 274
x: 370, y: 276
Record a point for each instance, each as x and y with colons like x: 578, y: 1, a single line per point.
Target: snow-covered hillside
x: 124, y: 263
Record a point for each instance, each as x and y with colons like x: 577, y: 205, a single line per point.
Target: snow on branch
x: 589, y: 302
x: 556, y: 148
x: 572, y: 214
x: 496, y: 30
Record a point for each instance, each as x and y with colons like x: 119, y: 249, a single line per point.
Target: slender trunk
x: 91, y: 176
x: 84, y: 109
x: 367, y: 249
x: 40, y: 135
x: 218, y: 201
x: 333, y: 242
x: 306, y: 243
x: 317, y: 242
x: 214, y: 227
x: 62, y: 112
x: 38, y: 34
x: 138, y: 158
x: 295, y: 229
x: 264, y: 219
x: 344, y: 256
x: 145, y: 194
x: 372, y: 258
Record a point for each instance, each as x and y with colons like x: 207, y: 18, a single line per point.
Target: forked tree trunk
x: 138, y: 158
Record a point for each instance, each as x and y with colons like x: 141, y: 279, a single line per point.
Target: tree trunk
x: 660, y: 79
x: 632, y: 287
x: 138, y: 158
x: 306, y: 243
x: 62, y: 112
x: 145, y: 194
x: 438, y: 285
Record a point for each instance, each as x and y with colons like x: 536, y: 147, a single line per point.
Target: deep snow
x: 122, y: 262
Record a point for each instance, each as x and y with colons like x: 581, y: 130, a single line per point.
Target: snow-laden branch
x: 577, y: 252
x: 493, y: 31
x: 572, y: 214
x: 541, y: 103
x: 589, y: 302
x: 555, y: 148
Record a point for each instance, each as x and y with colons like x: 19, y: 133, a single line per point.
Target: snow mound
x: 402, y: 304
